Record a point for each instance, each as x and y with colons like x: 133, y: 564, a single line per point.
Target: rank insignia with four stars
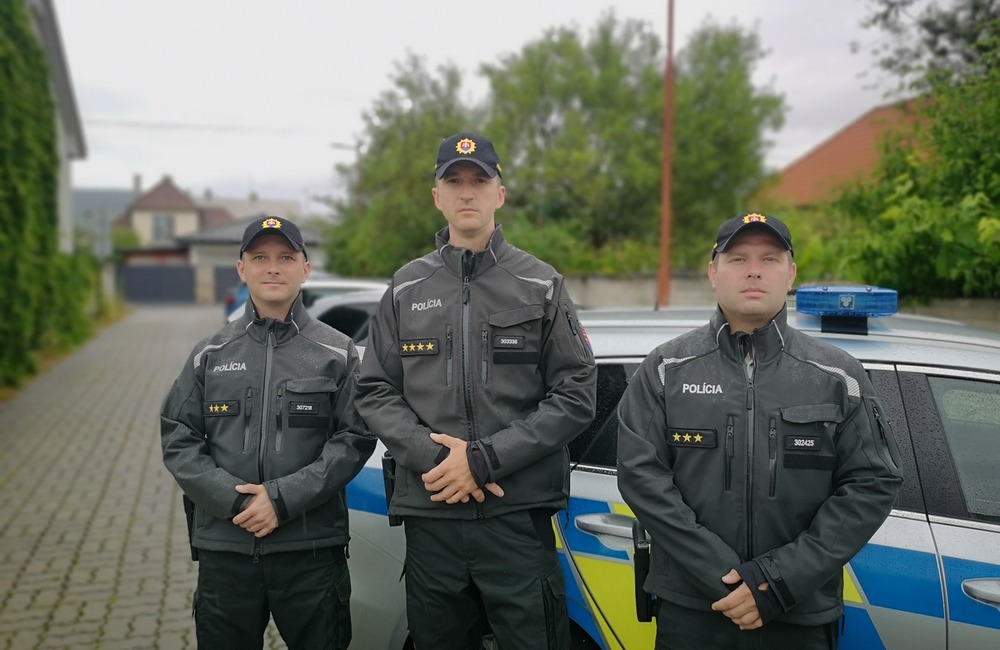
x: 414, y: 347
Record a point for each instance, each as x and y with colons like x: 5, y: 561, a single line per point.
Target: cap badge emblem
x: 270, y: 222
x: 755, y: 218
x: 465, y: 146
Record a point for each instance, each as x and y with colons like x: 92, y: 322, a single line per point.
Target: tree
x: 28, y: 209
x: 578, y: 122
x: 581, y: 122
x: 721, y: 119
x: 585, y: 121
x: 928, y: 222
x: 932, y: 216
x: 929, y: 44
x: 388, y: 216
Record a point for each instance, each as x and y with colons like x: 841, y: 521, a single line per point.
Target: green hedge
x: 45, y: 295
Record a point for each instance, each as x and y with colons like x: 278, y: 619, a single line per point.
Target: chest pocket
x: 517, y: 335
x: 807, y: 435
x: 308, y: 403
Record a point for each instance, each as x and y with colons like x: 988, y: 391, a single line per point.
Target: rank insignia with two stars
x: 222, y: 407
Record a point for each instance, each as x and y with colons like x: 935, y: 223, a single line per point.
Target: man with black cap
x: 476, y: 376
x: 261, y: 433
x: 758, y: 459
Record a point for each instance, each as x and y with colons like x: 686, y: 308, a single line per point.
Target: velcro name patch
x: 803, y: 443
x: 501, y: 341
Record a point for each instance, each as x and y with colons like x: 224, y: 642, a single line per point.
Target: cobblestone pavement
x: 93, y: 543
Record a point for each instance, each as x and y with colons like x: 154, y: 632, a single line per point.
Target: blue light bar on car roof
x: 846, y: 300
x: 846, y: 309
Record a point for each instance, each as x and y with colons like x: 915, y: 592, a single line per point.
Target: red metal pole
x: 663, y: 283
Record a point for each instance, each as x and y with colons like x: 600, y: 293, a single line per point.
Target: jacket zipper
x: 485, y: 351
x: 277, y: 434
x: 881, y: 431
x: 264, y: 414
x: 448, y: 355
x: 576, y: 334
x: 772, y: 447
x: 751, y: 432
x: 730, y: 451
x: 749, y: 470
x: 262, y: 442
x: 878, y: 422
x: 246, y: 419
x: 467, y: 265
x: 466, y: 367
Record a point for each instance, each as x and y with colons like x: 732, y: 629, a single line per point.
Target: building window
x: 163, y: 228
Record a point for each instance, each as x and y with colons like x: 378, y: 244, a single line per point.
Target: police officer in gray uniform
x: 476, y: 376
x: 261, y: 432
x: 758, y: 458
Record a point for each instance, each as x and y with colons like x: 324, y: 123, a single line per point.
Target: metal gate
x: 226, y: 277
x: 158, y: 283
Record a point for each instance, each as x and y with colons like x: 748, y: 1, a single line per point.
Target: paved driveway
x: 93, y: 543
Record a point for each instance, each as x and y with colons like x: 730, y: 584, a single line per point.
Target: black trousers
x: 465, y: 578
x: 307, y: 592
x: 680, y: 628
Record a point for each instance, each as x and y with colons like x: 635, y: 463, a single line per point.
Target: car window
x: 970, y: 414
x: 351, y: 320
x: 311, y: 294
x: 598, y: 444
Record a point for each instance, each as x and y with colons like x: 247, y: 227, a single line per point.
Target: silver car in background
x: 320, y: 285
x: 928, y: 579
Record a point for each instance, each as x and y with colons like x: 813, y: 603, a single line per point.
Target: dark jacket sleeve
x: 865, y: 485
x: 646, y: 482
x: 570, y: 378
x: 349, y: 445
x: 380, y: 395
x: 185, y: 449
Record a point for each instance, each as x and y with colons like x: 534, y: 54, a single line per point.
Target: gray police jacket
x: 267, y: 402
x: 795, y: 469
x: 480, y: 346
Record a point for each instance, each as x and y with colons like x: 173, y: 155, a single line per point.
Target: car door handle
x: 612, y: 529
x: 985, y: 590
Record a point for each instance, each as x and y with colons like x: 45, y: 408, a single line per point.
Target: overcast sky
x: 249, y: 95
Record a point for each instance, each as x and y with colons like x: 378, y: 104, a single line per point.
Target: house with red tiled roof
x: 160, y: 268
x: 846, y: 157
x: 165, y: 213
x: 187, y: 248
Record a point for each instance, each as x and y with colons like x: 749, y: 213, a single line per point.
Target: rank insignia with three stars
x: 703, y: 438
x: 415, y: 347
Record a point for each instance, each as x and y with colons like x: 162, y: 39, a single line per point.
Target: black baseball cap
x: 276, y: 226
x: 467, y: 146
x: 729, y: 229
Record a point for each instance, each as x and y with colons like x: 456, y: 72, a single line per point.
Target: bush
x: 45, y: 293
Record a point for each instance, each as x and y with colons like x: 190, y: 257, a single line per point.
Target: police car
x: 929, y: 578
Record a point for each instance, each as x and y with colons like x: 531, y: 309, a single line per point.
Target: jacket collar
x: 258, y: 328
x: 767, y: 341
x: 454, y: 257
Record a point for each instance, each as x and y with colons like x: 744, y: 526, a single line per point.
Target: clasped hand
x: 739, y: 606
x: 258, y: 516
x: 451, y: 481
